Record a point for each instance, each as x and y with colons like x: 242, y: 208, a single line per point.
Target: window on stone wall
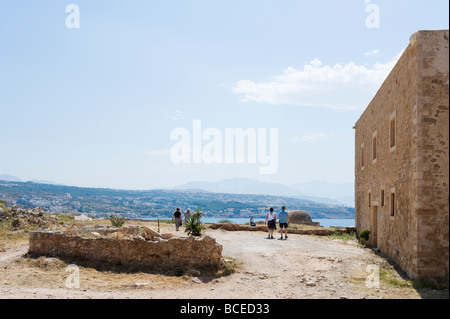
x: 370, y: 200
x: 374, y: 146
x: 392, y: 204
x: 392, y: 130
x: 382, y: 197
x: 362, y: 155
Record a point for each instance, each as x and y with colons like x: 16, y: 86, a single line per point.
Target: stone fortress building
x: 402, y: 160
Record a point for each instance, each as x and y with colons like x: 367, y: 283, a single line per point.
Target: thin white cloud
x: 346, y: 87
x: 373, y: 53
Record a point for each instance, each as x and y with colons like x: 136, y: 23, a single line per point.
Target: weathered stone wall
x: 432, y: 164
x: 172, y: 254
x: 392, y: 169
x: 237, y: 227
x: 416, y: 169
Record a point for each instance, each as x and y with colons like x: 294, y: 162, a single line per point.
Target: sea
x: 327, y: 223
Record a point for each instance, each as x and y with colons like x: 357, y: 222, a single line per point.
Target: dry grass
x: 394, y: 284
x: 10, y: 238
x: 46, y: 272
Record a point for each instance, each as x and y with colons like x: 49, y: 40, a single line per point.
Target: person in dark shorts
x: 178, y: 219
x: 283, y: 218
x: 271, y: 223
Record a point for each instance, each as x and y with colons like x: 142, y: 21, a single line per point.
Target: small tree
x: 194, y: 226
x: 364, y: 236
x: 117, y: 221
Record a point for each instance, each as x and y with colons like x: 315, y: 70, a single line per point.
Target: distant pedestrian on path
x: 187, y: 216
x: 284, y: 220
x: 178, y: 219
x: 271, y: 220
x: 252, y: 222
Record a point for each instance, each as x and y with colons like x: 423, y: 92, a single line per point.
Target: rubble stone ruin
x: 23, y: 217
x: 300, y: 217
x: 128, y: 246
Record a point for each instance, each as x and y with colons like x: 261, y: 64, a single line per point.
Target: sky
x: 91, y: 97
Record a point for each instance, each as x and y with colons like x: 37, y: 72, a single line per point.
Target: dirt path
x: 299, y: 267
x: 12, y: 254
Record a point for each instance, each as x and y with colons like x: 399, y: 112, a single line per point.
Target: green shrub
x: 229, y: 267
x: 194, y: 226
x: 365, y: 235
x: 362, y: 241
x: 117, y: 221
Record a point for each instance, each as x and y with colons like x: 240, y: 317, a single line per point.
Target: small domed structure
x: 300, y: 217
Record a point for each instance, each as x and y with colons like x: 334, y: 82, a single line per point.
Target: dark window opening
x: 392, y: 132
x: 392, y: 204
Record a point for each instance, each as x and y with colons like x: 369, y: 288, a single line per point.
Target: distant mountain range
x: 319, y: 191
x: 10, y: 178
x: 344, y: 193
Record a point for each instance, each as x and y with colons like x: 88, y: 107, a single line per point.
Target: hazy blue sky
x: 95, y: 105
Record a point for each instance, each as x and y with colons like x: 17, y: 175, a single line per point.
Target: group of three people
x: 271, y: 221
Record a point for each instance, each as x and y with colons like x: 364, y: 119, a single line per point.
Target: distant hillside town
x: 100, y: 202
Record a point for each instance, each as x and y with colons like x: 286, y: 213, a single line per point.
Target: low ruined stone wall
x: 237, y: 227
x: 172, y: 254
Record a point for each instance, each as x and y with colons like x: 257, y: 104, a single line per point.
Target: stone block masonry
x: 173, y: 254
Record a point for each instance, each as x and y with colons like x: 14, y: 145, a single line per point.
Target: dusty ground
x: 300, y: 267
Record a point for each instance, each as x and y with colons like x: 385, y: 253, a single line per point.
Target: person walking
x: 178, y: 219
x: 284, y: 220
x: 271, y: 223
x: 187, y: 216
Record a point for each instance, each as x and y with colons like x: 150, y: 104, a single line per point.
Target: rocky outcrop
x: 21, y: 217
